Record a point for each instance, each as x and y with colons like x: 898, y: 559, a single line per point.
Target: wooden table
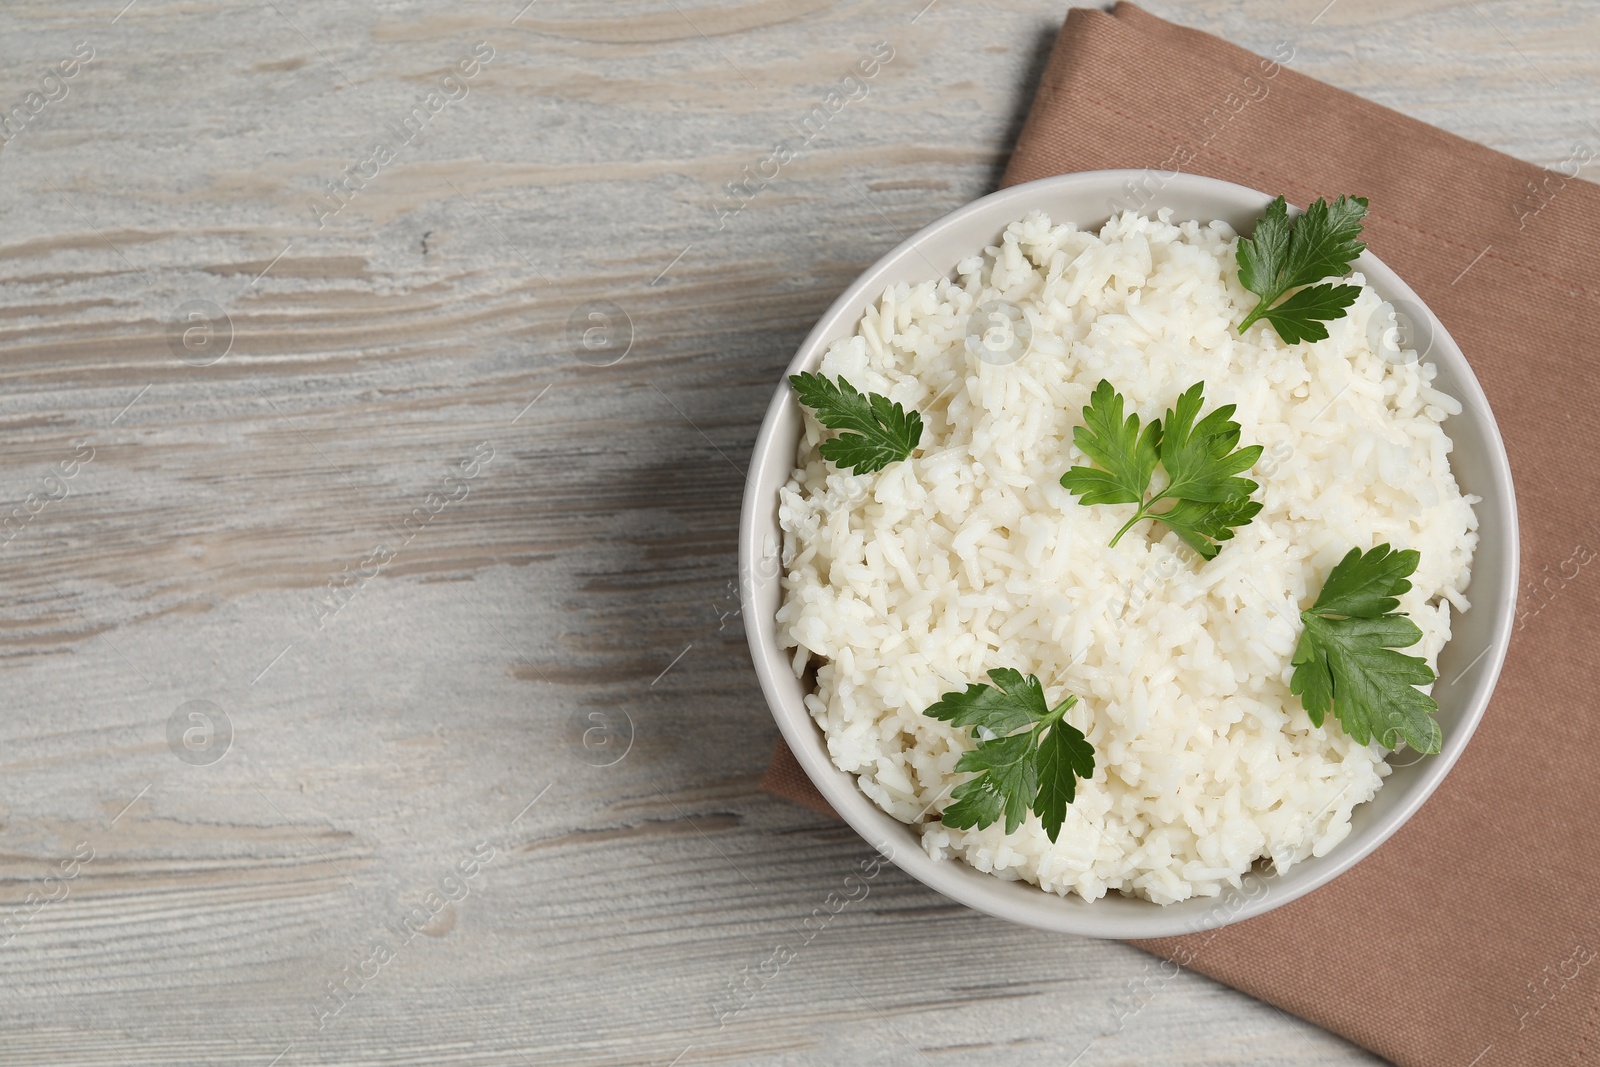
x: 341, y: 515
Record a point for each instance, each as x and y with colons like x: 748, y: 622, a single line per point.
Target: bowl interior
x: 1468, y: 666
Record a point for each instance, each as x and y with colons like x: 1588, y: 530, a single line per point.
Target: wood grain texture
x: 582, y: 576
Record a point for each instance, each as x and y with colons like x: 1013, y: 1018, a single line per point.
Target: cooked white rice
x: 916, y: 580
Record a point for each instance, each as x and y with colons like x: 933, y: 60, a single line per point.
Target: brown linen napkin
x: 1470, y: 938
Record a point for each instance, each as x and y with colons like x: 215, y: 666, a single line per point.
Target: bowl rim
x: 1050, y: 911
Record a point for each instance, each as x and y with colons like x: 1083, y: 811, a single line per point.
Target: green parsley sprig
x: 1200, y: 460
x: 1346, y: 658
x: 1028, y: 756
x: 1282, y: 255
x: 882, y: 432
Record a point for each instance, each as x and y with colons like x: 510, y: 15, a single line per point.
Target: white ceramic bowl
x: 1468, y: 666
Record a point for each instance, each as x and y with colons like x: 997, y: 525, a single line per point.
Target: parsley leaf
x: 1128, y: 456
x: 1346, y: 660
x: 1202, y: 525
x: 1037, y: 769
x: 1282, y: 255
x: 1201, y: 459
x: 883, y: 431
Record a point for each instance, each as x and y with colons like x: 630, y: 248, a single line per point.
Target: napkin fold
x: 1470, y: 939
